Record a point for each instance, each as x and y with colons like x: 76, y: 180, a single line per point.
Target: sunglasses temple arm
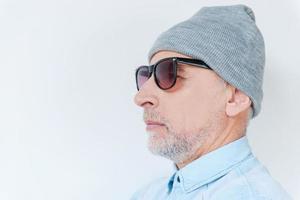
x: 195, y: 64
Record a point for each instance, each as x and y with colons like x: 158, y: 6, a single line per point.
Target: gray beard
x: 175, y: 146
x: 181, y: 146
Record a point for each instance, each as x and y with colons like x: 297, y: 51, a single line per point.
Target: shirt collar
x: 211, y: 166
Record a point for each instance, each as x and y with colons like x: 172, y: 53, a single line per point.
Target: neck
x: 229, y: 134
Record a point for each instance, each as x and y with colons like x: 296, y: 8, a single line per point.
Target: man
x: 202, y: 87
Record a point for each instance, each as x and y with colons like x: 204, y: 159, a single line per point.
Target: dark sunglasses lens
x: 165, y: 74
x: 142, y: 76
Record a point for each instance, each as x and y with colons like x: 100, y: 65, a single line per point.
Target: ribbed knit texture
x: 228, y: 40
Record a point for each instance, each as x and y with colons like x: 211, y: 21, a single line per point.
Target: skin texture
x: 200, y: 113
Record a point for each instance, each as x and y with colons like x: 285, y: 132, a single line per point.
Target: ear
x: 237, y: 102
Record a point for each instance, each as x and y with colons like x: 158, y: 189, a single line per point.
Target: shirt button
x: 178, y: 179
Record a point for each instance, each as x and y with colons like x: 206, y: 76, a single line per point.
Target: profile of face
x: 193, y: 111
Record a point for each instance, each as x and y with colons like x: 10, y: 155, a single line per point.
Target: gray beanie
x: 228, y: 40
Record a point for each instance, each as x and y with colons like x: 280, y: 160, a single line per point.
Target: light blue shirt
x: 230, y: 172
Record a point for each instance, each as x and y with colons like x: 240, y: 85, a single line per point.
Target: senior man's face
x: 192, y: 111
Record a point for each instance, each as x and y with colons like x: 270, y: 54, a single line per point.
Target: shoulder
x: 250, y: 180
x: 260, y: 181
x: 151, y: 188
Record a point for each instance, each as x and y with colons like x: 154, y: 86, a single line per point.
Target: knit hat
x: 228, y: 40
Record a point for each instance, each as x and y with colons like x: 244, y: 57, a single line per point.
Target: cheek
x: 193, y: 110
x: 188, y: 117
x: 193, y: 105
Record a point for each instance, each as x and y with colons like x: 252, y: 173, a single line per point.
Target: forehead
x: 164, y: 54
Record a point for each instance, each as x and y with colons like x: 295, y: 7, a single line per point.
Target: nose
x: 146, y: 97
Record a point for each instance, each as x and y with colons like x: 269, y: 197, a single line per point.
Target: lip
x: 153, y: 125
x: 149, y: 122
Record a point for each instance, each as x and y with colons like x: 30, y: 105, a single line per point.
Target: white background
x: 69, y: 128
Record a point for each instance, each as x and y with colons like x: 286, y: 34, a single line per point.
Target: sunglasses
x: 165, y: 71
